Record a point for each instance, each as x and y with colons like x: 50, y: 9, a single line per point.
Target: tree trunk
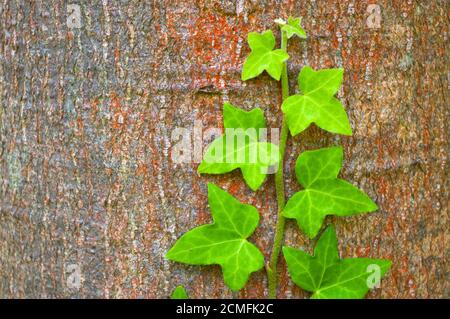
x: 91, y: 93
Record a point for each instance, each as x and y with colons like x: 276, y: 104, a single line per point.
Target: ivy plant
x: 179, y: 293
x: 324, y: 193
x: 225, y: 241
x: 224, y: 156
x: 327, y: 276
x: 263, y: 56
x: 317, y: 104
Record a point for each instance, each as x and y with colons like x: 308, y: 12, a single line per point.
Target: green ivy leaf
x: 324, y: 193
x: 240, y: 147
x: 263, y: 56
x: 224, y: 242
x: 179, y: 293
x: 317, y: 104
x: 292, y: 27
x: 321, y: 164
x: 234, y: 117
x: 327, y: 276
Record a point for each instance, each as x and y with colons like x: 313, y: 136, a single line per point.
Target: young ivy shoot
x: 225, y: 241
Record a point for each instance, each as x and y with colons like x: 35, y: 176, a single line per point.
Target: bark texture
x: 87, y: 109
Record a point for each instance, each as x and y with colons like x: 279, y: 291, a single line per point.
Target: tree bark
x: 88, y: 107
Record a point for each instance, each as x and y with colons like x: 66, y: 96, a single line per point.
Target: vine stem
x: 272, y: 275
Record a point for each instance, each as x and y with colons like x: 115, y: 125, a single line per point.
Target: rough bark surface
x: 86, y: 116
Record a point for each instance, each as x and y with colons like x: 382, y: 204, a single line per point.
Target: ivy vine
x: 225, y: 241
